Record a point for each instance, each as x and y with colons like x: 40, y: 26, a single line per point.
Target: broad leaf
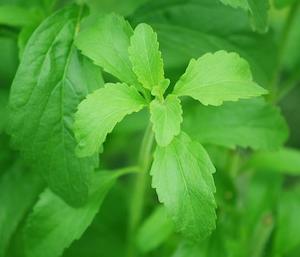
x: 155, y: 230
x: 106, y: 43
x: 19, y: 189
x: 146, y: 59
x: 51, y: 81
x: 54, y: 225
x: 286, y: 161
x: 182, y: 176
x: 100, y: 112
x: 247, y: 123
x: 166, y: 118
x: 215, y: 78
x: 258, y: 10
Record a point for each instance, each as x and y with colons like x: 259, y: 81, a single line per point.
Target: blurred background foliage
x: 258, y: 194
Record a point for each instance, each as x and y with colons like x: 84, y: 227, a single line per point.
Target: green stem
x: 282, y: 47
x: 139, y: 190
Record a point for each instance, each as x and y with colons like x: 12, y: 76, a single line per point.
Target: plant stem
x: 282, y: 47
x: 139, y: 190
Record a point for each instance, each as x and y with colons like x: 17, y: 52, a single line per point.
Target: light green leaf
x: 246, y: 123
x: 166, y: 118
x: 155, y: 230
x: 146, y: 60
x: 258, y: 10
x: 182, y: 176
x: 202, y: 31
x: 51, y: 81
x: 19, y: 189
x: 215, y: 78
x: 287, y: 238
x: 106, y: 43
x: 100, y: 112
x: 17, y: 16
x: 286, y: 161
x: 54, y: 225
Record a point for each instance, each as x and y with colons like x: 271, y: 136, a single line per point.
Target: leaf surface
x: 99, y: 113
x: 247, y: 123
x: 215, y: 78
x: 166, y: 118
x: 50, y: 82
x: 146, y: 59
x: 106, y: 43
x: 19, y: 189
x: 54, y: 225
x: 182, y: 176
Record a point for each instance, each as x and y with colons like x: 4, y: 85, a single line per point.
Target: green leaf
x: 100, y: 112
x: 246, y: 123
x: 156, y: 229
x: 106, y: 43
x: 51, y: 81
x: 258, y: 10
x: 17, y: 16
x: 202, y: 31
x: 54, y: 225
x: 166, y: 118
x: 285, y: 160
x: 182, y: 176
x: 288, y: 224
x: 215, y: 78
x: 19, y: 189
x: 146, y: 60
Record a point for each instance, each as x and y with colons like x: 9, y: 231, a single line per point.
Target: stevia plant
x: 162, y: 111
x: 181, y: 170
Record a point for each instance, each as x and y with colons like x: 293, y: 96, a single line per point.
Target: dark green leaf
x: 247, y: 123
x: 19, y: 189
x: 54, y: 225
x: 51, y: 81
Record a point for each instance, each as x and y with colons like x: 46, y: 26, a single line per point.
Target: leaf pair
x: 182, y: 170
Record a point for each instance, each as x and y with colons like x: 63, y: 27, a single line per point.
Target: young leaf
x: 246, y: 123
x: 166, y: 117
x: 54, y: 225
x: 100, y: 112
x: 106, y: 43
x: 215, y: 78
x: 146, y: 60
x: 155, y: 230
x: 202, y: 31
x: 19, y: 189
x: 182, y: 176
x: 51, y: 81
x: 286, y: 161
